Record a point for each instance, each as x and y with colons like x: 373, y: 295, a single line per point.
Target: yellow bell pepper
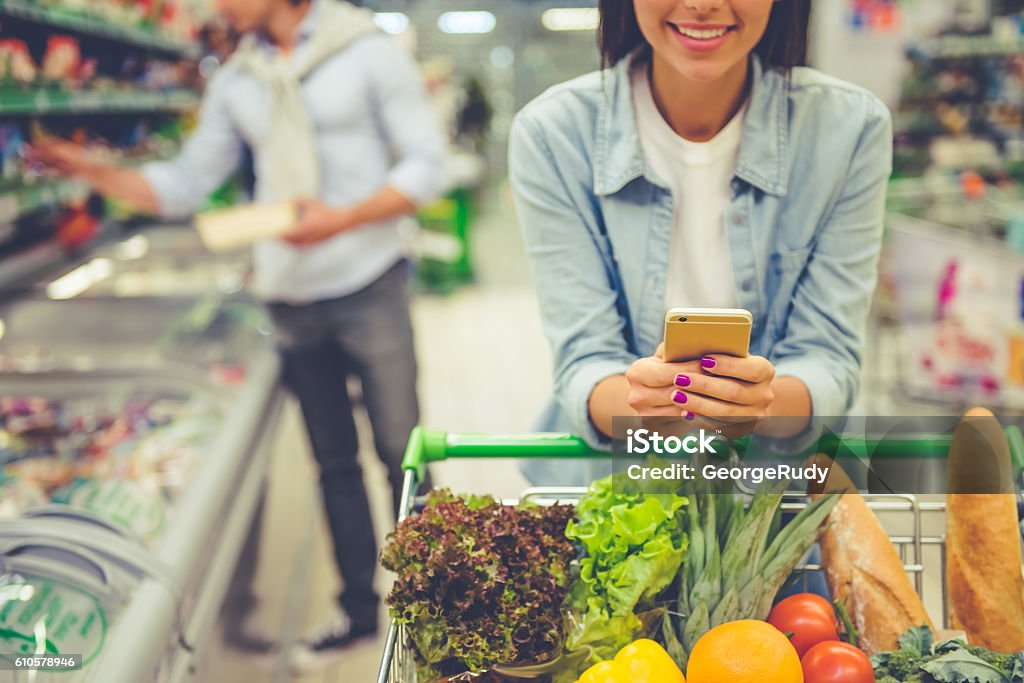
x: 643, y: 661
x: 604, y: 672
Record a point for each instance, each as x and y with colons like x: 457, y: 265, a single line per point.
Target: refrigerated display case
x: 167, y: 261
x: 138, y: 401
x: 80, y: 574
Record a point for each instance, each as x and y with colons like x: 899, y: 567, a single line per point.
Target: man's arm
x: 126, y: 185
x: 168, y: 188
x: 410, y: 123
x: 317, y: 221
x: 412, y: 129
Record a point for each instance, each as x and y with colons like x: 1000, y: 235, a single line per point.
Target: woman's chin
x: 703, y: 71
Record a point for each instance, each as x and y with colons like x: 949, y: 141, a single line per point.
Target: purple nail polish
x: 689, y: 416
x: 682, y: 381
x: 708, y: 362
x: 679, y: 397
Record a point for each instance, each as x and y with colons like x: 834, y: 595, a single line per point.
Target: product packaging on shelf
x: 63, y: 59
x: 16, y: 64
x: 123, y: 463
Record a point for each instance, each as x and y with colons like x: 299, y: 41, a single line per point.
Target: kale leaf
x: 479, y: 583
x: 952, y: 661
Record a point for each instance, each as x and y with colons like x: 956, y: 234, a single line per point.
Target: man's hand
x: 70, y: 159
x: 64, y: 157
x: 318, y: 222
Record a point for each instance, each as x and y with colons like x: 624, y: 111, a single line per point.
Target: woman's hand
x: 715, y: 391
x: 726, y: 388
x: 652, y: 385
x: 715, y: 387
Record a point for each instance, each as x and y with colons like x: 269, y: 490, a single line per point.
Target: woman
x: 703, y: 167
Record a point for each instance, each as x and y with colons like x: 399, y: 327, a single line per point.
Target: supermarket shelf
x: 17, y: 269
x: 961, y: 47
x: 43, y: 101
x: 99, y: 27
x: 29, y: 198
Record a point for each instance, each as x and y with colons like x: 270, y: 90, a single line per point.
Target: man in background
x: 337, y: 120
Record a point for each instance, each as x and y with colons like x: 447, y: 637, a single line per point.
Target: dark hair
x: 783, y: 46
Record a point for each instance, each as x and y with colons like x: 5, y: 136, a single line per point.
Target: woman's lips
x: 701, y: 37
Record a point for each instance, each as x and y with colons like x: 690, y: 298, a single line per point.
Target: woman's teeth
x: 702, y: 34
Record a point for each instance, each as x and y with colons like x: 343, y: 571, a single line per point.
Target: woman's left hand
x: 727, y: 388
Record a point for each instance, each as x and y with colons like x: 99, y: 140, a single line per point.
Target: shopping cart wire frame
x: 429, y: 446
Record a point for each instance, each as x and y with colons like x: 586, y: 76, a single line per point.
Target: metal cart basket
x: 918, y: 520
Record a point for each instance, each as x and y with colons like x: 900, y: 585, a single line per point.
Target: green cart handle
x: 426, y: 446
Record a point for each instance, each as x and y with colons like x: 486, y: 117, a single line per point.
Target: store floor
x: 469, y: 343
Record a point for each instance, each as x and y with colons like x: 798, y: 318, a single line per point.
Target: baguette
x: 983, y: 553
x: 864, y: 571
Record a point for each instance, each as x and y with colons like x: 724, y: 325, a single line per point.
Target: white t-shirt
x: 700, y: 176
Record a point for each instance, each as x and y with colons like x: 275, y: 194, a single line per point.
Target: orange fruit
x: 744, y: 652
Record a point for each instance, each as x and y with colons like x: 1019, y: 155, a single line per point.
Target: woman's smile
x: 701, y: 37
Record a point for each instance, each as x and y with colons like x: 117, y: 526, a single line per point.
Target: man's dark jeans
x: 367, y: 335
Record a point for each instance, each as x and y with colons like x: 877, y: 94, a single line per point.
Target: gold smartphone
x: 692, y: 333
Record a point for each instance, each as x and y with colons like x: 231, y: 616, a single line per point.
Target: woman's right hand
x: 652, y: 385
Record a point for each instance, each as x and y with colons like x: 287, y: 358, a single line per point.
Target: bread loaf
x: 983, y: 553
x: 864, y: 571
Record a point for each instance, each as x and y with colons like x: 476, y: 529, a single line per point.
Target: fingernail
x: 689, y: 416
x: 679, y: 397
x: 708, y: 362
x: 682, y: 381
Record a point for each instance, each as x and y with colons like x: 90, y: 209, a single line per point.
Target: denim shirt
x: 804, y: 226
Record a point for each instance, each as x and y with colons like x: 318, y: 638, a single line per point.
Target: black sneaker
x: 329, y: 642
x: 249, y: 633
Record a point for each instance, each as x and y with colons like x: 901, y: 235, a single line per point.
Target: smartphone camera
x: 681, y: 319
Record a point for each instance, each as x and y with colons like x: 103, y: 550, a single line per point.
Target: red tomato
x: 810, y: 618
x: 837, y: 662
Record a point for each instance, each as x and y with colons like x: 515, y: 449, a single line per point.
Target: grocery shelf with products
x: 955, y: 218
x: 960, y: 105
x: 53, y: 102
x: 26, y: 199
x: 110, y: 20
x: 946, y: 330
x: 118, y: 76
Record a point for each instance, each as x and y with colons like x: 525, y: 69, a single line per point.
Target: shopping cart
x: 918, y: 521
